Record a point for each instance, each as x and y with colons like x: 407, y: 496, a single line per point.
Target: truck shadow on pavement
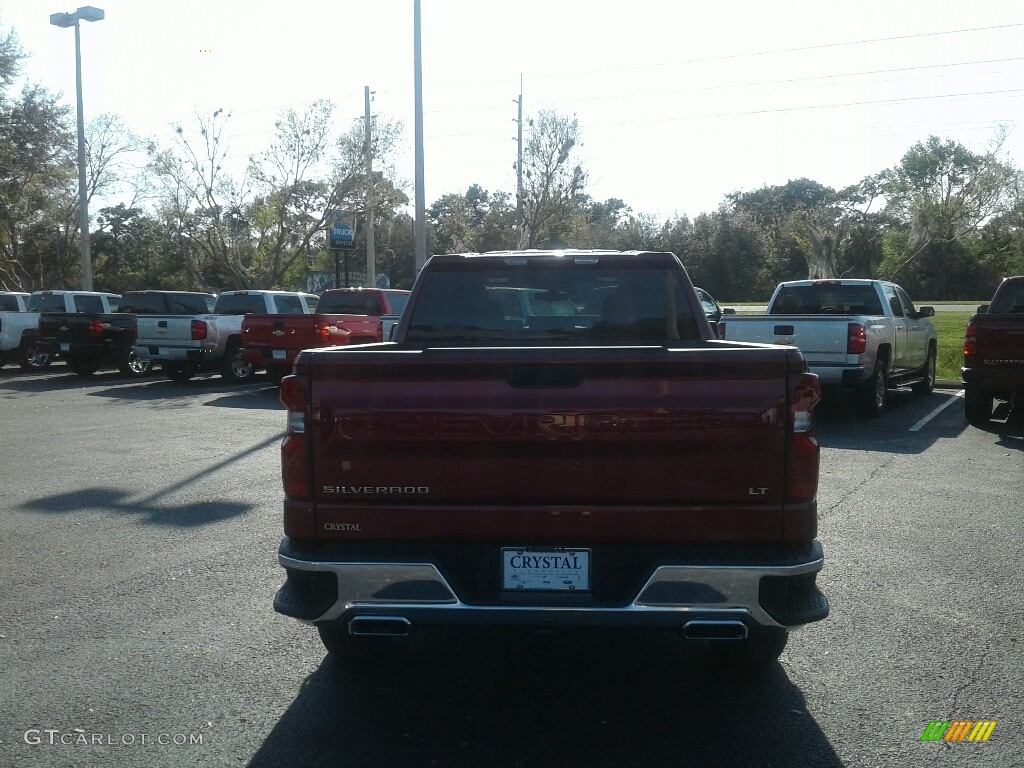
x: 1008, y: 425
x: 200, y: 512
x: 260, y: 394
x: 588, y: 701
x: 838, y: 423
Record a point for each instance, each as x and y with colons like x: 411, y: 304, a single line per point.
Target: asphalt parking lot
x: 139, y: 522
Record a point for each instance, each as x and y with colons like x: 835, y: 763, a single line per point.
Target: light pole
x: 86, y: 13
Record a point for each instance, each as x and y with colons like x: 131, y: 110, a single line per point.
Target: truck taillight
x: 96, y: 328
x: 323, y: 332
x: 295, y: 468
x: 721, y: 329
x: 199, y: 330
x: 802, y: 480
x: 856, y: 339
x: 970, y: 341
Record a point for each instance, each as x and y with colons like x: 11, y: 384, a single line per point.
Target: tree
x: 476, y: 221
x: 349, y: 181
x: 552, y: 184
x: 202, y: 202
x: 941, y: 191
x: 816, y: 217
x: 724, y: 253
x: 292, y: 208
x: 36, y: 163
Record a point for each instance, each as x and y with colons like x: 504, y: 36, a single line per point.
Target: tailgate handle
x: 161, y: 324
x: 783, y: 330
x: 543, y: 376
x: 279, y: 325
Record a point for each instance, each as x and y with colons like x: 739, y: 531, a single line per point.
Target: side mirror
x: 926, y: 311
x: 982, y: 309
x: 728, y: 310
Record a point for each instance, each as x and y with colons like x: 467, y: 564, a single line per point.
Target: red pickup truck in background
x: 994, y: 353
x: 344, y: 316
x: 605, y: 461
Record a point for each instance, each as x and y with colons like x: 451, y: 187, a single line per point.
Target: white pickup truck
x: 865, y: 336
x: 13, y: 306
x: 212, y: 340
x: 19, y: 323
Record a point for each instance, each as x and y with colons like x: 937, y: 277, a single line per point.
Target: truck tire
x: 927, y: 385
x: 873, y: 391
x: 31, y: 359
x: 235, y: 368
x: 177, y: 371
x: 83, y: 367
x: 977, y: 406
x: 130, y: 364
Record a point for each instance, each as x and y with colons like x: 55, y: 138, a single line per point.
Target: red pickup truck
x: 343, y: 316
x: 601, y: 463
x: 994, y: 352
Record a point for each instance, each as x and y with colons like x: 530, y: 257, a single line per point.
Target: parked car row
x: 188, y: 332
x: 860, y: 336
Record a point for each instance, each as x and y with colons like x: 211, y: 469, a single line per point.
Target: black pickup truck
x: 87, y: 340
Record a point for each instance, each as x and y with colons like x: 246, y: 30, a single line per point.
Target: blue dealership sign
x: 341, y: 234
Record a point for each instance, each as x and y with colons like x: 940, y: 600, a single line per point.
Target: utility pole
x: 519, y: 169
x: 371, y: 255
x: 420, y: 225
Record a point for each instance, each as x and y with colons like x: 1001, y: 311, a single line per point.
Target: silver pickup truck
x: 864, y: 336
x: 212, y: 340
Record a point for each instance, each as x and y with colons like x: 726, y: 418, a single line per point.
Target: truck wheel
x: 872, y: 393
x: 177, y: 371
x: 31, y: 359
x: 977, y: 406
x: 235, y: 368
x: 132, y: 365
x: 926, y: 386
x: 83, y: 367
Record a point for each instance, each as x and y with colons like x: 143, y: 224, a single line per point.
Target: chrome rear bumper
x: 763, y: 596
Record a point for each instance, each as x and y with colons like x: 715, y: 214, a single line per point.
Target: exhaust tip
x: 715, y: 630
x: 379, y: 626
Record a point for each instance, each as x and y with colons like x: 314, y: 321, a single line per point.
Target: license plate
x: 163, y: 351
x: 279, y: 354
x: 550, y: 570
x: 65, y: 347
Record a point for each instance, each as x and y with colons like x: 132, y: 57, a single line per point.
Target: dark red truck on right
x: 602, y: 461
x: 994, y: 352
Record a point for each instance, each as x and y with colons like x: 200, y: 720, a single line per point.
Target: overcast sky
x: 678, y: 103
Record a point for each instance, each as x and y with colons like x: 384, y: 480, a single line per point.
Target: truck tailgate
x: 163, y: 329
x: 1000, y: 340
x: 65, y: 327
x: 279, y: 331
x: 817, y: 336
x: 555, y: 444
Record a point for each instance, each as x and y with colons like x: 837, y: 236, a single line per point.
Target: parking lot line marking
x: 936, y: 412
